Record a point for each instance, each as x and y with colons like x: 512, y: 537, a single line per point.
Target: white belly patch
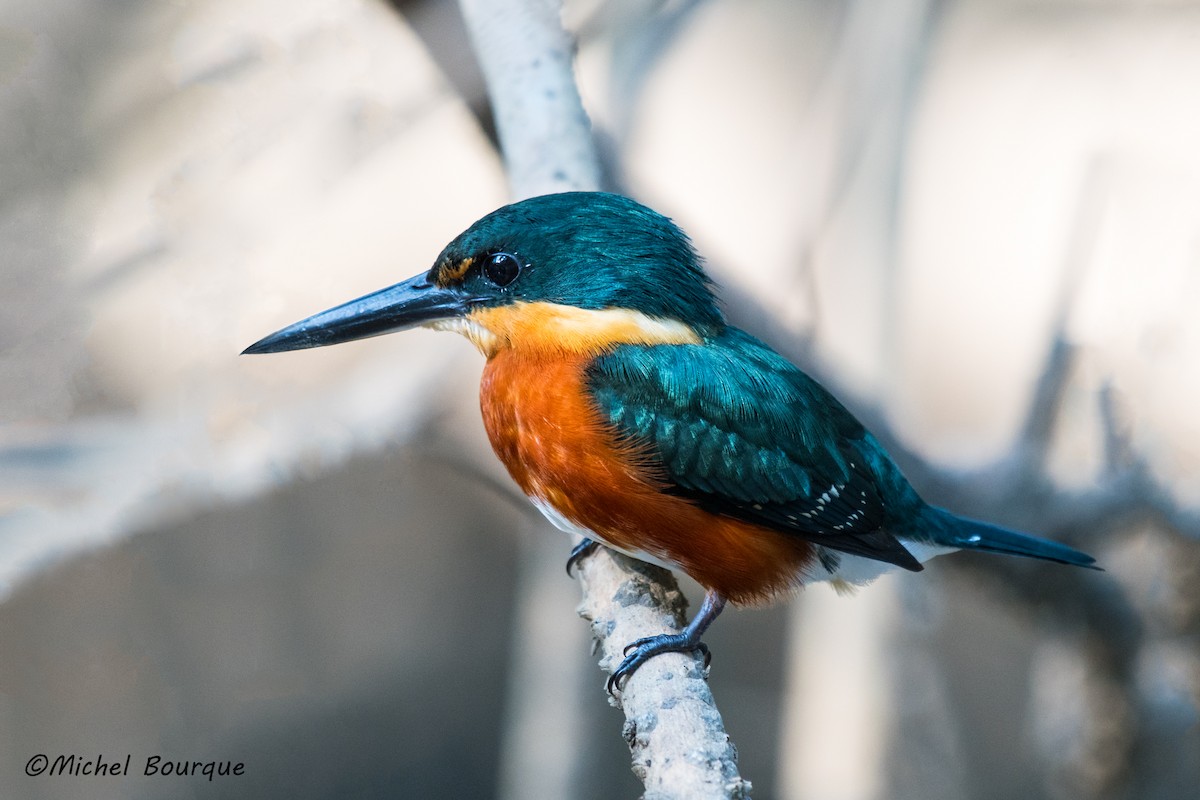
x: 567, y: 526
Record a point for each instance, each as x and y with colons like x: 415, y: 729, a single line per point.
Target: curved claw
x: 580, y: 551
x: 688, y: 641
x: 699, y: 647
x: 650, y: 646
x: 636, y: 643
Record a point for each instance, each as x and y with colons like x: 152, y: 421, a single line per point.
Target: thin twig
x: 1043, y: 412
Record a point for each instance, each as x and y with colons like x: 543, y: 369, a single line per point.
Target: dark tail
x: 968, y: 534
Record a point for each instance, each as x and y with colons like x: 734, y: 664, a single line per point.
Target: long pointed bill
x: 406, y: 305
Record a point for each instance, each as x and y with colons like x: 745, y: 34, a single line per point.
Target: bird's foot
x: 579, y: 552
x: 686, y: 641
x: 642, y: 650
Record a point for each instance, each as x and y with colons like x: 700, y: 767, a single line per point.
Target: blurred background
x: 978, y: 221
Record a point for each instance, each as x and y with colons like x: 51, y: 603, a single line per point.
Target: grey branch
x: 672, y: 726
x: 527, y: 60
x: 675, y: 733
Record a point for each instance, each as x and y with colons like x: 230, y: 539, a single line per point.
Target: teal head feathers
x: 589, y: 250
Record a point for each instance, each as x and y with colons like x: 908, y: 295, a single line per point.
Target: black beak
x: 406, y: 305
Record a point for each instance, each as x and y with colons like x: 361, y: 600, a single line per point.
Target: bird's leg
x: 686, y: 641
x: 579, y: 551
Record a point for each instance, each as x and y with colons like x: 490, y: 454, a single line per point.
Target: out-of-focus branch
x: 1019, y: 491
x: 675, y: 733
x: 527, y: 60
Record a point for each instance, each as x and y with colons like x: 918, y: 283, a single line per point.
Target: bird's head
x: 579, y: 270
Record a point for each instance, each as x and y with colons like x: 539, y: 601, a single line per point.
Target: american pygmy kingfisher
x: 631, y: 413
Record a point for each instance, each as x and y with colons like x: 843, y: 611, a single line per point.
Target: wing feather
x: 740, y: 431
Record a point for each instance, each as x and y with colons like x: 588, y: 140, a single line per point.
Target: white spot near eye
x: 976, y: 539
x: 757, y: 506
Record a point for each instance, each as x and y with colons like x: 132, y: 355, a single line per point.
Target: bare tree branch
x: 672, y: 726
x: 527, y: 59
x: 675, y: 733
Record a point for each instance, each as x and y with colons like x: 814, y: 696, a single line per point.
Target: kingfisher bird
x: 631, y: 413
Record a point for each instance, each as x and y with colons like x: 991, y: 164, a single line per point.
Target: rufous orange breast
x: 571, y: 463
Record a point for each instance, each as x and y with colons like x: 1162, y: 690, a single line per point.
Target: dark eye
x: 501, y: 268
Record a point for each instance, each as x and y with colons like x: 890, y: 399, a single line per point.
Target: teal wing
x: 742, y: 432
